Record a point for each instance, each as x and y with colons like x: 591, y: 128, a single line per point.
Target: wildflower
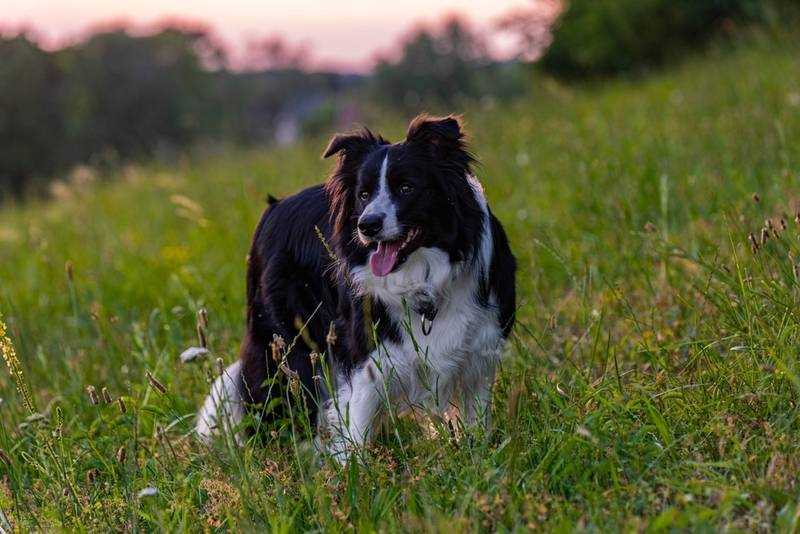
x: 92, y: 395
x: 155, y: 383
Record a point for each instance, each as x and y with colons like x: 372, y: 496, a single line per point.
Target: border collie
x: 394, y: 272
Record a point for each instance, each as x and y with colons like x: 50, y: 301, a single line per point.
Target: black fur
x: 294, y: 280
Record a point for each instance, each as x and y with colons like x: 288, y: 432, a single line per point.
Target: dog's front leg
x: 352, y: 413
x: 475, y: 397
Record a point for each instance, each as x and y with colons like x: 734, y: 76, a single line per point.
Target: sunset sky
x: 342, y: 33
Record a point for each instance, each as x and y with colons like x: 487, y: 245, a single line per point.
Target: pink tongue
x: 382, y: 260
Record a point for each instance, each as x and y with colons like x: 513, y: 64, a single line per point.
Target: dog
x: 394, y: 272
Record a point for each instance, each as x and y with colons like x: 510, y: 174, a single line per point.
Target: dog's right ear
x: 352, y: 148
x: 352, y: 144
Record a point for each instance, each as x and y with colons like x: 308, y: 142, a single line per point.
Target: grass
x: 652, y: 382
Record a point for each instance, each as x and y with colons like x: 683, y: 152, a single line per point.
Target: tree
x: 30, y: 121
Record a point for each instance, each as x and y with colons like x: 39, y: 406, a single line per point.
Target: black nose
x: 370, y: 225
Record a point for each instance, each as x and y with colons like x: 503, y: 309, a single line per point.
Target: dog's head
x: 387, y: 200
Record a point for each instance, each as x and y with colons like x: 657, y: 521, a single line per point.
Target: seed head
x: 294, y: 385
x: 5, y: 458
x: 106, y: 396
x: 756, y: 198
x: 155, y: 383
x: 753, y: 242
x: 764, y: 236
x: 92, y: 395
x: 330, y: 339
x: 91, y: 476
x: 69, y: 270
x: 202, y: 317
x: 9, y: 354
x: 121, y: 454
x: 276, y: 346
x: 121, y: 404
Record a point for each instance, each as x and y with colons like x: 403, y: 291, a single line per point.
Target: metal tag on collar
x: 427, y: 315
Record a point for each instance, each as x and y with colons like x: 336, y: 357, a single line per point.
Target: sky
x: 344, y: 34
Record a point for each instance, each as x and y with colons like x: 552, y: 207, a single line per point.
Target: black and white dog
x: 396, y: 269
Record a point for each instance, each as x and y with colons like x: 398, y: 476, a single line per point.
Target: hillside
x: 653, y: 380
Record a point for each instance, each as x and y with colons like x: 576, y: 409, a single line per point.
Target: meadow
x: 652, y: 382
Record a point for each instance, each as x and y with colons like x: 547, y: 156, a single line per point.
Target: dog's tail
x: 223, y: 408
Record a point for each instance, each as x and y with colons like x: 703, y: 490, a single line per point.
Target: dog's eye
x: 406, y: 189
x: 364, y: 195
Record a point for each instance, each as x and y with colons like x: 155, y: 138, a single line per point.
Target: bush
x: 602, y: 37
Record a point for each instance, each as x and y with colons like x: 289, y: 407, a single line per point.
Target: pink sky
x: 346, y: 33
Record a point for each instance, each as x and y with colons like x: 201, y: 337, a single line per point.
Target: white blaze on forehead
x: 383, y: 204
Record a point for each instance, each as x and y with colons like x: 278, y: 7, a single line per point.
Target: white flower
x: 149, y: 491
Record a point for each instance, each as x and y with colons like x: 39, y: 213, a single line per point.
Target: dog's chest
x: 464, y: 333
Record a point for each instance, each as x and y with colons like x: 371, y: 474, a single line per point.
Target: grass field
x: 652, y: 382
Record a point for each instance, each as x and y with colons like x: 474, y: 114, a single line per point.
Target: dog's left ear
x: 440, y: 133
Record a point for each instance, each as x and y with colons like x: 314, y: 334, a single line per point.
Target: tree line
x: 117, y: 96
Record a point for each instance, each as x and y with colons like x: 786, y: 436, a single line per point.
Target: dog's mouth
x: 389, y: 255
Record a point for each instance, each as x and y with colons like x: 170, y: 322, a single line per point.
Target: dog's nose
x: 370, y: 225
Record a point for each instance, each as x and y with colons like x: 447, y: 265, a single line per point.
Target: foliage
x: 30, y: 111
x: 443, y: 67
x: 601, y: 37
x: 116, y: 97
x: 652, y: 382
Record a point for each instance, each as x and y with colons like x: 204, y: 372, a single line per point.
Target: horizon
x: 344, y: 38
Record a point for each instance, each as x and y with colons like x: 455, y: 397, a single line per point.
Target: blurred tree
x: 601, y: 37
x: 30, y: 120
x: 275, y: 53
x: 440, y: 67
x: 131, y: 95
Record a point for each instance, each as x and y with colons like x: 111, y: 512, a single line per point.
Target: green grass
x: 652, y: 382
